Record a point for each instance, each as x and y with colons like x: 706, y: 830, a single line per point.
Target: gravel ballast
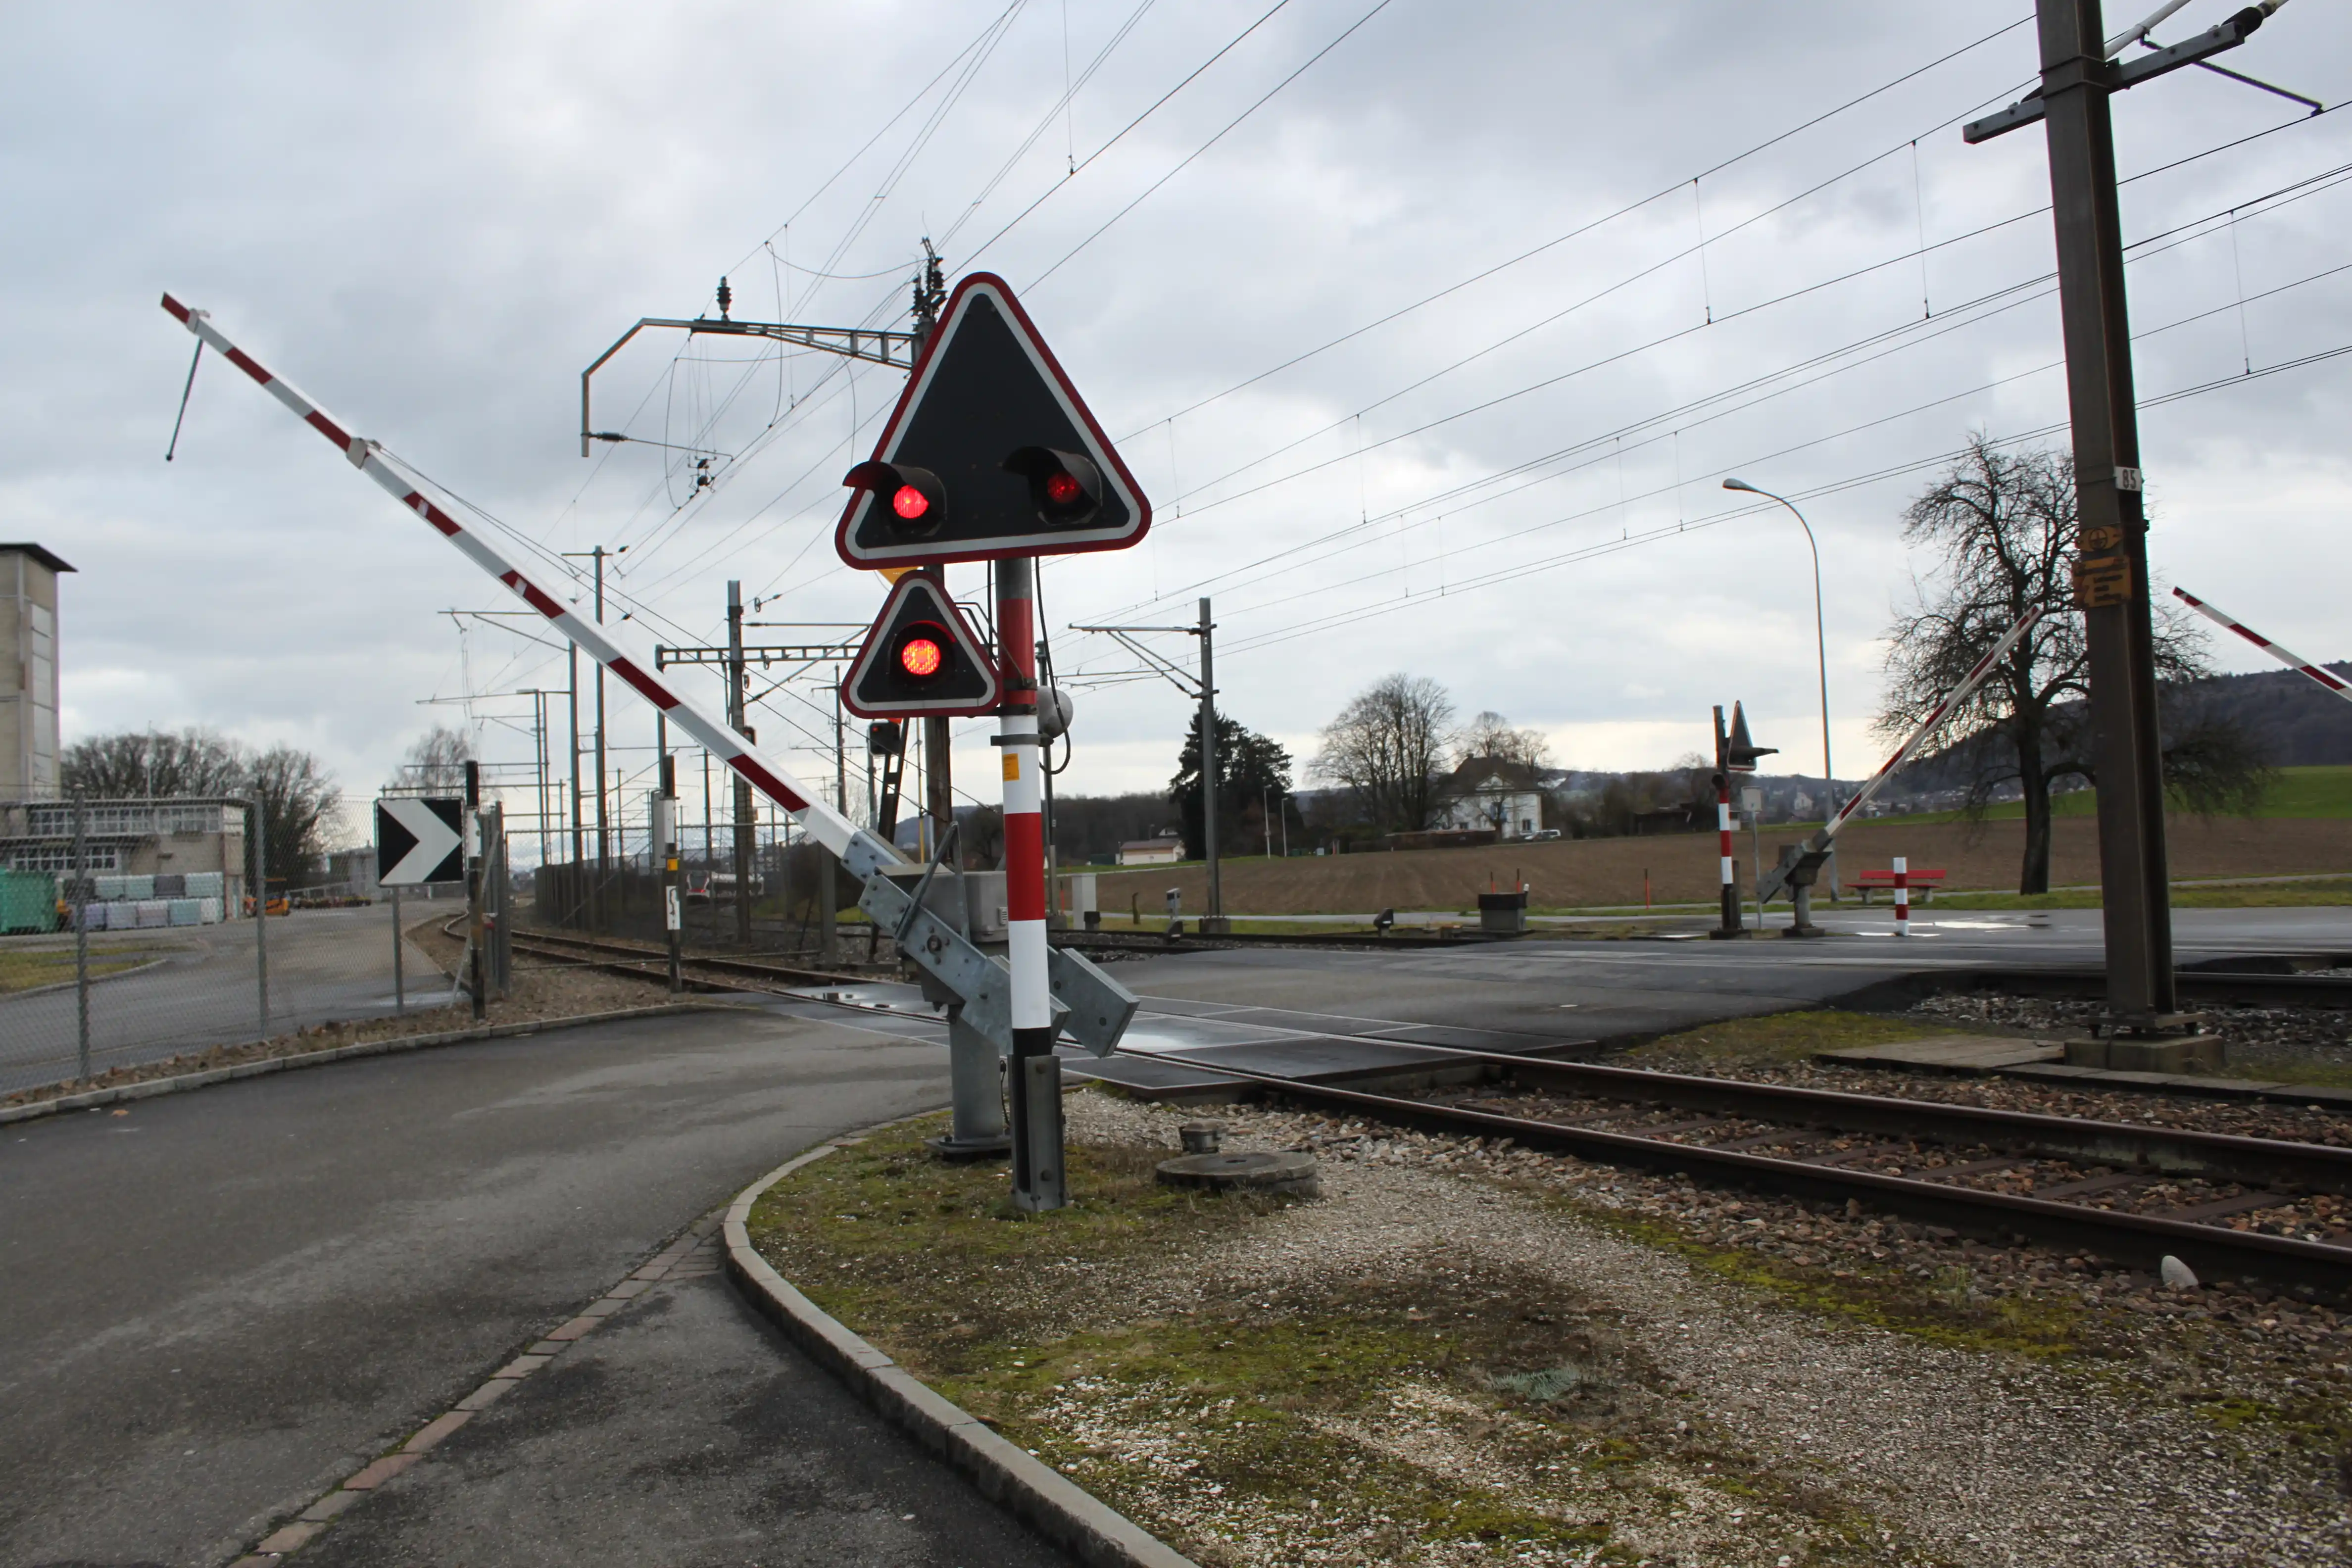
x: 1733, y: 1379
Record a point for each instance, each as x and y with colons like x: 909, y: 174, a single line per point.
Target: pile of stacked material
x: 141, y: 914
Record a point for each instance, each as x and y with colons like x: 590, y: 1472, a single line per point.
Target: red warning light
x: 909, y: 502
x: 920, y: 657
x: 1061, y: 489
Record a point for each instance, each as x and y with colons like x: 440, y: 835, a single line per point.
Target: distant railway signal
x: 921, y: 658
x: 990, y: 453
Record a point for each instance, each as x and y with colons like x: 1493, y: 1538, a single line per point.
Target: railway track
x: 1158, y: 942
x: 2227, y: 1205
x: 700, y: 972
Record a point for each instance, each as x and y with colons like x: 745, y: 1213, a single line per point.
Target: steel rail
x: 2165, y: 1150
x: 2140, y: 1240
x: 623, y: 957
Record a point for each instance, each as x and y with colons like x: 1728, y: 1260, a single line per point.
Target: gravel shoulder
x: 1470, y: 1353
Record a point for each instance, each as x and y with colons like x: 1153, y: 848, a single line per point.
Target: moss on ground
x: 1269, y: 1413
x: 1943, y: 1310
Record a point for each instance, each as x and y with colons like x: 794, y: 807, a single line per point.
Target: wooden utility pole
x: 2111, y: 572
x: 2080, y: 76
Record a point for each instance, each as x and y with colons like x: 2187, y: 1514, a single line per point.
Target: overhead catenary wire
x: 1520, y: 570
x: 1197, y: 71
x: 2324, y: 179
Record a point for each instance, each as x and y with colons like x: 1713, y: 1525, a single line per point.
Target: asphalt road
x: 323, y: 964
x: 1564, y: 989
x: 220, y: 1304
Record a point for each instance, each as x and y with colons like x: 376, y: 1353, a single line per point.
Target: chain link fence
x: 108, y: 960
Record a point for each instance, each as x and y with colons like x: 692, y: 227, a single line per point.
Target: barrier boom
x: 1096, y: 1009
x: 1799, y: 862
x: 2294, y: 661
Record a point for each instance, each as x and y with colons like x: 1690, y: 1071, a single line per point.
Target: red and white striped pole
x: 1734, y: 922
x: 2293, y: 661
x: 1034, y: 1077
x: 1902, y: 895
x: 1723, y: 846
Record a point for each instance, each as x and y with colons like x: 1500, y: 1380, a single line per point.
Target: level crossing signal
x: 920, y: 657
x: 990, y: 452
x: 1740, y: 752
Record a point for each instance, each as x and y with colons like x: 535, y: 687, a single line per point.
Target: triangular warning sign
x: 976, y: 461
x: 921, y: 658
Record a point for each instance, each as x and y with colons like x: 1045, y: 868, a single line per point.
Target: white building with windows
x: 1499, y: 796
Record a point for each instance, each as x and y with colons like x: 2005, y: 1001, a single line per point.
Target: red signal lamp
x: 1065, y: 487
x: 917, y: 502
x: 923, y: 653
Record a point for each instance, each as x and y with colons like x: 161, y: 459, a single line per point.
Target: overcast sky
x: 432, y: 216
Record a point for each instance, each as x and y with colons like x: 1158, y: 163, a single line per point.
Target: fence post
x: 261, y: 907
x: 81, y: 903
x: 399, y: 980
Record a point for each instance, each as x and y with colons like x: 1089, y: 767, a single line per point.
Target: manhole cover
x: 1264, y: 1173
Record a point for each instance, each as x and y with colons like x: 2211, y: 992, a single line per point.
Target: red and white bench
x: 1922, y: 882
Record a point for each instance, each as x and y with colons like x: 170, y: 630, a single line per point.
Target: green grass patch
x: 2315, y: 894
x: 1281, y: 1398
x: 2308, y: 793
x: 25, y: 970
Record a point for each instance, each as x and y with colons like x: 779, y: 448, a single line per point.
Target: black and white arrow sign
x: 419, y: 840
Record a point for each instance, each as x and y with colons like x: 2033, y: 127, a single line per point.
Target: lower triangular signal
x: 921, y: 658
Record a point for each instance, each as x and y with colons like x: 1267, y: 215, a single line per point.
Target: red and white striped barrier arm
x: 823, y: 824
x: 2295, y: 662
x: 1929, y: 725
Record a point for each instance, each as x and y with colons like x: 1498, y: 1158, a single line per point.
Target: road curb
x: 148, y: 1089
x: 1097, y: 1534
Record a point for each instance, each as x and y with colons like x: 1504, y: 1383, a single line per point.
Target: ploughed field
x: 1682, y: 867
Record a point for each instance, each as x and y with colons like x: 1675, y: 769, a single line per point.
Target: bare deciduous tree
x: 154, y: 764
x: 436, y: 762
x: 298, y: 796
x: 1387, y: 747
x: 1490, y: 738
x: 299, y: 806
x: 2004, y: 530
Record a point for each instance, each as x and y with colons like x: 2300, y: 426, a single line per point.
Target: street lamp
x: 1821, y: 638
